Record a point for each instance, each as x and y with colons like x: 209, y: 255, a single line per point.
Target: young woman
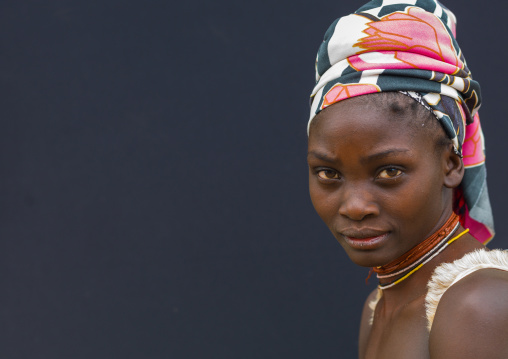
x: 396, y: 171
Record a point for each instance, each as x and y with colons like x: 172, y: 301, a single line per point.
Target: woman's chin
x: 371, y: 252
x: 372, y: 258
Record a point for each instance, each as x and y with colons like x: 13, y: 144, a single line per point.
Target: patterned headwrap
x: 409, y: 46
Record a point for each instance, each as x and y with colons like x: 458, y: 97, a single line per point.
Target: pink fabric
x: 472, y: 149
x: 411, y: 33
x: 340, y: 92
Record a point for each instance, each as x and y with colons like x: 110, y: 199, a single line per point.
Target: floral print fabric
x: 390, y: 45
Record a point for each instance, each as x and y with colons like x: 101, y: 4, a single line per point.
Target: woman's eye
x: 328, y: 174
x: 389, y: 173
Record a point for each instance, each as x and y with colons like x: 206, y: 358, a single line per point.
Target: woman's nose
x: 358, y: 203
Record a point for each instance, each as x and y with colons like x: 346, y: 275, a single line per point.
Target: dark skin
x: 373, y: 173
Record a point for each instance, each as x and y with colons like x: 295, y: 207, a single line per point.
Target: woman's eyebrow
x: 321, y: 156
x: 383, y: 154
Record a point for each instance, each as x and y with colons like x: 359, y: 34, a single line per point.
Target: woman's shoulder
x: 471, y: 320
x: 447, y: 275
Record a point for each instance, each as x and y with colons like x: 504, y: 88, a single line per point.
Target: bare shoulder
x: 471, y: 320
x: 365, y: 323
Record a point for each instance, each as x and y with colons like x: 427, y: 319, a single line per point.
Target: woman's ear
x: 453, y: 167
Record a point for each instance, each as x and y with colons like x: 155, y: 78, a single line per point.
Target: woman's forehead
x: 369, y: 126
x: 390, y: 112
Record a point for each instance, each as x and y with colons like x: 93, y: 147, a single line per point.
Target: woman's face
x: 377, y: 181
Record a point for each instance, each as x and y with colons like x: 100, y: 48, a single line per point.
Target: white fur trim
x: 447, y: 274
x: 373, y: 303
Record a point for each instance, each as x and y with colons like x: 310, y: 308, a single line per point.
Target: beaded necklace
x: 421, y: 254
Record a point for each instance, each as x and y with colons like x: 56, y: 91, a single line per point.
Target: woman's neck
x: 401, y: 268
x: 416, y: 285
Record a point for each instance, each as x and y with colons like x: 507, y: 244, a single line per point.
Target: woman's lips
x: 366, y: 241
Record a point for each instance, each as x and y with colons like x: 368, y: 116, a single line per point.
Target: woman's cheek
x: 324, y: 203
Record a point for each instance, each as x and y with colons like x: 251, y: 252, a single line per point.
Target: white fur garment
x: 447, y: 274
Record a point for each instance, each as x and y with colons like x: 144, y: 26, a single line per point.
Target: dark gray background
x: 154, y: 198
